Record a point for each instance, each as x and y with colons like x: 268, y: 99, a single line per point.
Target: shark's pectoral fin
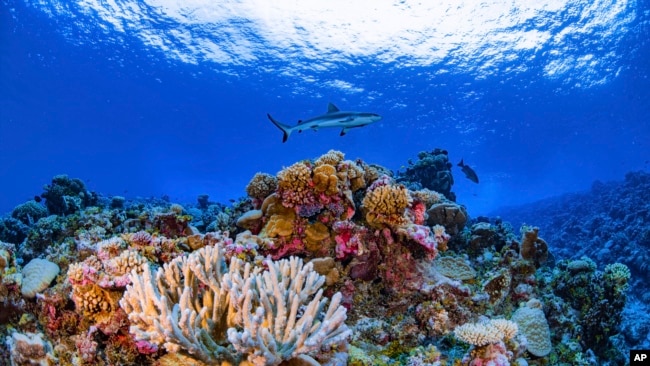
x: 344, y: 131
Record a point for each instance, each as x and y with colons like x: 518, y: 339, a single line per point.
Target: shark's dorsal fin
x: 331, y: 108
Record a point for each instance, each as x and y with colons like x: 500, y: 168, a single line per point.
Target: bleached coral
x: 37, y: 275
x: 218, y: 315
x: 486, y: 332
x: 279, y: 320
x: 534, y: 326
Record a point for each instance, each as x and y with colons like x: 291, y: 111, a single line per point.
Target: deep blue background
x: 129, y: 121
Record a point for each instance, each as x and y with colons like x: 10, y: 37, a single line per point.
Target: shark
x: 345, y: 120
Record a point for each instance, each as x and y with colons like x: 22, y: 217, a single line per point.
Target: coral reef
x: 329, y: 262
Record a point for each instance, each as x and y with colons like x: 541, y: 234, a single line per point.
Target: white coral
x: 285, y: 324
x: 192, y: 303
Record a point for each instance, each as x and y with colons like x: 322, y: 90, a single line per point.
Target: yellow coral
x: 278, y: 225
x: 123, y: 264
x: 280, y: 222
x: 386, y: 205
x: 297, y: 177
x: 261, y: 185
x: 325, y: 179
x: 332, y: 157
x: 95, y: 303
x: 316, y: 235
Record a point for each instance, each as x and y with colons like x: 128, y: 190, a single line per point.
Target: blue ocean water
x: 164, y: 97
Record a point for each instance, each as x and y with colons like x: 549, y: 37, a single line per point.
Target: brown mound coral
x: 317, y: 237
x: 325, y: 179
x: 386, y: 205
x: 261, y: 186
x: 353, y: 174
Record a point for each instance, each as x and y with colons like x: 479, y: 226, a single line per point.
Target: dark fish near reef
x: 333, y: 118
x: 469, y: 172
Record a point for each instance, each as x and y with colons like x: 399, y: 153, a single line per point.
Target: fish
x: 334, y: 117
x: 469, y: 172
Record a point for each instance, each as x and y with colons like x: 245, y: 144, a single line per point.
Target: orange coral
x: 95, y: 303
x: 280, y: 218
x: 386, y: 205
x: 317, y: 237
x: 325, y: 179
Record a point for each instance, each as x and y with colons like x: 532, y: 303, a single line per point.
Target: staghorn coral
x: 385, y: 205
x: 487, y: 339
x: 233, y: 317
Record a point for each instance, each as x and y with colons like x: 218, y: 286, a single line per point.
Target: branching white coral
x: 191, y: 304
x: 285, y: 324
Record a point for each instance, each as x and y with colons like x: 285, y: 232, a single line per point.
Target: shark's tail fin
x: 286, y: 130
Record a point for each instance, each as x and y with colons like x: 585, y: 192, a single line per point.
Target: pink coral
x: 494, y: 354
x: 349, y: 238
x: 146, y: 348
x: 417, y: 212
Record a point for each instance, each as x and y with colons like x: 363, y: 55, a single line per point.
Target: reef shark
x: 333, y: 118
